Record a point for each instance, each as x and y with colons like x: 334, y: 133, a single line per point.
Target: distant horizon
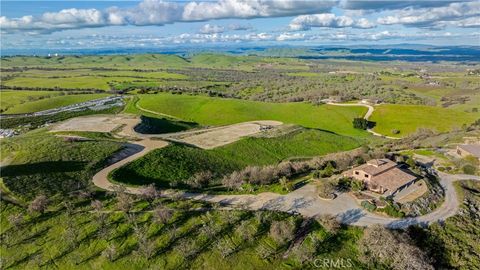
x: 402, y: 52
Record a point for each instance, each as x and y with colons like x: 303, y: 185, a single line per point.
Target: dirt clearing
x: 216, y: 137
x: 94, y: 123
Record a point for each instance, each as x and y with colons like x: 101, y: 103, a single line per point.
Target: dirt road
x: 369, y: 113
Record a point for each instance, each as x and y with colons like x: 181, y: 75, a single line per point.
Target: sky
x: 158, y: 23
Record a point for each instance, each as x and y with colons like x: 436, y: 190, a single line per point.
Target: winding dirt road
x: 369, y: 113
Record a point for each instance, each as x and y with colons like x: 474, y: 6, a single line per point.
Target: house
x: 465, y: 150
x: 382, y: 176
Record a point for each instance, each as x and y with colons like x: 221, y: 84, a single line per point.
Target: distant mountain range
x: 401, y: 52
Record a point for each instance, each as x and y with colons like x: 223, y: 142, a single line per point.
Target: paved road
x: 303, y: 200
x: 369, y: 113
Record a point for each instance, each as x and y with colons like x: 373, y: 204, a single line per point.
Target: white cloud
x: 239, y: 27
x: 74, y: 16
x: 433, y: 17
x: 290, y: 36
x: 159, y: 12
x: 469, y: 22
x: 379, y: 5
x: 330, y: 20
x: 148, y: 12
x: 310, y: 14
x: 211, y: 29
x: 221, y: 9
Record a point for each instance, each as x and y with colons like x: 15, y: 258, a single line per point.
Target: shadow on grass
x: 43, y: 167
x: 152, y: 125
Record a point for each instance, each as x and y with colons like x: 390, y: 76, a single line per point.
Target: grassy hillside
x: 10, y: 99
x: 87, y: 82
x: 177, y: 163
x: 408, y: 118
x: 218, y: 111
x: 51, y: 103
x: 144, y: 61
x: 41, y: 163
x: 188, y: 237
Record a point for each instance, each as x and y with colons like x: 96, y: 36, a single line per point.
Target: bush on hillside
x: 469, y: 169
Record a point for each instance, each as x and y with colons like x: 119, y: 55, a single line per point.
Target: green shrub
x: 392, y: 211
x: 369, y: 206
x: 469, y: 169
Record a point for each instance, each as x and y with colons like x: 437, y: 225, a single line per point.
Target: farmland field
x: 87, y: 82
x: 10, y: 99
x: 50, y: 103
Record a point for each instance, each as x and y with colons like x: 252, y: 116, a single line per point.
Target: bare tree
x: 285, y: 169
x: 264, y: 251
x: 380, y: 244
x: 200, y: 179
x: 146, y: 248
x: 16, y: 220
x: 162, y: 214
x: 226, y: 246
x: 110, y: 252
x: 39, y: 204
x: 71, y: 233
x: 69, y: 208
x: 186, y: 248
x: 149, y: 193
x: 245, y: 230
x: 282, y: 231
x: 101, y: 219
x: 233, y: 181
x: 124, y: 201
x: 329, y: 222
x: 96, y: 205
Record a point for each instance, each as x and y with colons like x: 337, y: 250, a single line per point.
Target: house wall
x: 361, y: 175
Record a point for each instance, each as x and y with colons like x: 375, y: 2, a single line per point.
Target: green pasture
x: 87, y: 82
x: 218, y: 111
x: 10, y: 99
x: 51, y: 103
x: 409, y: 118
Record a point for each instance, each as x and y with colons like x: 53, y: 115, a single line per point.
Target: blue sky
x: 156, y: 23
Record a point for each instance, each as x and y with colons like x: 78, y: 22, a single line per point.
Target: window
x: 366, y: 175
x: 357, y: 173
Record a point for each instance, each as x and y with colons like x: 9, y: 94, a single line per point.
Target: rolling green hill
x: 217, y: 111
x: 179, y: 162
x: 408, y: 118
x: 51, y: 103
x: 10, y: 99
